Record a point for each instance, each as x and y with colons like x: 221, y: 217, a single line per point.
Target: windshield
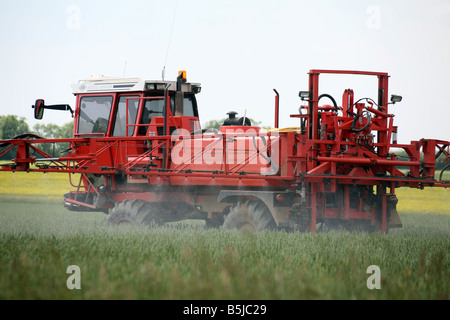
x: 94, y: 114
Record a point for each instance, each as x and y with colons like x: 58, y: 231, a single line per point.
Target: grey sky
x: 238, y: 50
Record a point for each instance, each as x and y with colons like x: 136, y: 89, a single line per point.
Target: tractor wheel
x: 249, y: 216
x: 135, y: 213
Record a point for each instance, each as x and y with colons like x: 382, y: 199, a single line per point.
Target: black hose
x: 368, y: 99
x: 369, y: 117
x: 22, y: 136
x: 442, y: 172
x: 325, y: 95
x: 268, y: 158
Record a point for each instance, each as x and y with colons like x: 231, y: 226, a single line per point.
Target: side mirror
x: 39, y: 109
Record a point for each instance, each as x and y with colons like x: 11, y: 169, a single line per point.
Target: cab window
x: 121, y: 116
x: 189, y: 106
x: 94, y: 114
x: 154, y: 108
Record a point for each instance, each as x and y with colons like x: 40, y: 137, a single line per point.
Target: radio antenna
x: 170, y: 39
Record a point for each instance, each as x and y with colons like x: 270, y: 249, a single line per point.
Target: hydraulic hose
x: 355, y: 120
x: 22, y: 136
x: 442, y: 172
x: 325, y: 95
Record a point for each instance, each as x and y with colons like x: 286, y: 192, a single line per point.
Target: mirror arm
x: 62, y: 107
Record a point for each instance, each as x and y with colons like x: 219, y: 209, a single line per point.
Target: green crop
x: 39, y: 240
x: 185, y: 261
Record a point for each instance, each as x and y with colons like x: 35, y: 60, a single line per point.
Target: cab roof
x: 110, y: 84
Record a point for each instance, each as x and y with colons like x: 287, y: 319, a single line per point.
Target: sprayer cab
x: 111, y: 107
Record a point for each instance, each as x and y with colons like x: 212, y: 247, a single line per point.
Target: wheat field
x: 184, y: 261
